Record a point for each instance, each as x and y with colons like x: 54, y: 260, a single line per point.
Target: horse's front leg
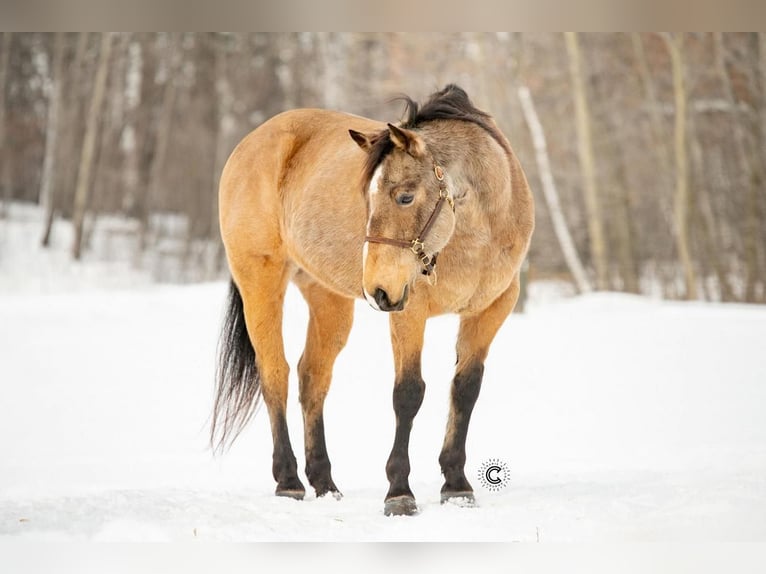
x: 407, y: 340
x: 474, y: 339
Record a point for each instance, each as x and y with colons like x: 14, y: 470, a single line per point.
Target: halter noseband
x: 417, y: 245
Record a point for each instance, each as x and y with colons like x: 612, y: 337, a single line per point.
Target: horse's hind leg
x: 474, y: 339
x: 331, y: 316
x: 263, y: 290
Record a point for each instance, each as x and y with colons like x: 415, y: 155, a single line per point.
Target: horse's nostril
x: 381, y: 298
x: 384, y: 302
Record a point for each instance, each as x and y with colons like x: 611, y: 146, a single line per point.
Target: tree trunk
x: 587, y: 162
x: 47, y: 198
x: 755, y: 179
x: 744, y: 165
x: 82, y: 190
x: 225, y: 101
x: 622, y: 225
x: 163, y: 137
x: 69, y: 116
x: 660, y: 136
x: 551, y: 194
x: 682, y: 195
x: 130, y: 138
x: 756, y: 203
x: 5, y: 155
x: 702, y: 208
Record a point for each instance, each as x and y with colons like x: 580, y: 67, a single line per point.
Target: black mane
x: 449, y: 103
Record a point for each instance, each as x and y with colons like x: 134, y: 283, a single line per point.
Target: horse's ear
x: 362, y: 140
x: 407, y: 141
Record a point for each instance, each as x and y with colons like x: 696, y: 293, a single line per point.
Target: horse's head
x: 406, y: 223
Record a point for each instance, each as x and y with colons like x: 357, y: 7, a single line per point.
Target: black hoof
x: 460, y: 498
x: 295, y: 493
x: 403, y: 505
x: 291, y: 487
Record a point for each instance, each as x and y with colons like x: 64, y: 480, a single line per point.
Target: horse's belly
x: 330, y: 252
x: 340, y: 278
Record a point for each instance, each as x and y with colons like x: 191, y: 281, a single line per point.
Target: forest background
x: 645, y: 151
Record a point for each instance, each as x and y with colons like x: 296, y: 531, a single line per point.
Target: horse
x: 433, y: 215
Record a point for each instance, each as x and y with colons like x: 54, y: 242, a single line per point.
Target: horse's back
x: 291, y: 189
x: 272, y: 152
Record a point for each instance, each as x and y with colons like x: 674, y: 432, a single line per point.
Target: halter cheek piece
x: 417, y: 245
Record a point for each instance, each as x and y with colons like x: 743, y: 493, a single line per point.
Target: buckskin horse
x: 430, y: 216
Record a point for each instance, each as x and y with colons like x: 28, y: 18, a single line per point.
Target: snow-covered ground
x: 620, y: 418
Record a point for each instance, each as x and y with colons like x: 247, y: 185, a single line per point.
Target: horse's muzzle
x: 385, y: 304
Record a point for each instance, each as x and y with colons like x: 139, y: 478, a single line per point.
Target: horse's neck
x: 480, y: 173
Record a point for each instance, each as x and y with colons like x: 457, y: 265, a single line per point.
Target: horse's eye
x: 404, y: 199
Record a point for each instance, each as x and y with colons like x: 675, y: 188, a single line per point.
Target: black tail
x: 238, y: 387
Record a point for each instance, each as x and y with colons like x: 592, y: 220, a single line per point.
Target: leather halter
x: 417, y: 245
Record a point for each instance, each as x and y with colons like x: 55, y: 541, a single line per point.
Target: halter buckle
x: 417, y: 247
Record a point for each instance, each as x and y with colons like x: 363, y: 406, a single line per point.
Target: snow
x: 621, y: 418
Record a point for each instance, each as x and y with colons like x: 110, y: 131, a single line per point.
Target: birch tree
x: 69, y: 113
x: 82, y: 191
x: 587, y: 162
x: 550, y: 193
x: 675, y: 45
x: 47, y: 182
